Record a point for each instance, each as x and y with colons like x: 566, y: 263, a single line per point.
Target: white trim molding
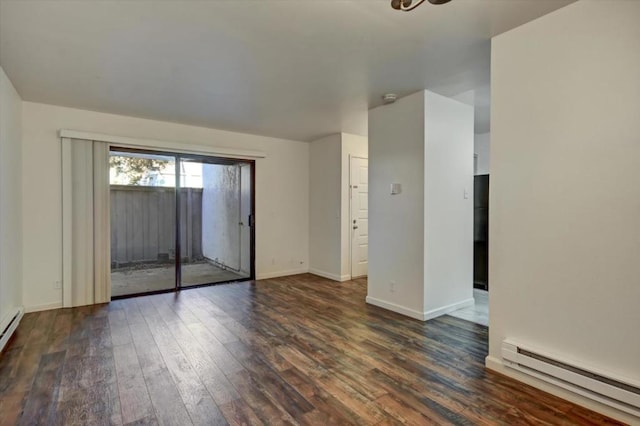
x: 449, y: 308
x: 395, y: 308
x: 44, y: 307
x: 334, y: 277
x: 269, y: 275
x: 162, y: 145
x: 422, y: 316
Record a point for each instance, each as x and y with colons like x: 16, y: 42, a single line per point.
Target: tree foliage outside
x: 135, y: 168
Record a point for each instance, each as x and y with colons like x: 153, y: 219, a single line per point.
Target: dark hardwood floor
x: 294, y: 350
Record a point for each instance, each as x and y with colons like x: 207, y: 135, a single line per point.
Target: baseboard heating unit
x: 9, y: 327
x: 604, y: 388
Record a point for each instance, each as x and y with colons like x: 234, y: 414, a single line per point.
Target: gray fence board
x: 143, y: 224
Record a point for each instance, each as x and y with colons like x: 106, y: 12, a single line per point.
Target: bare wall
x: 482, y: 148
x: 324, y: 206
x: 396, y: 222
x: 10, y: 200
x: 282, y: 192
x: 421, y: 240
x: 448, y: 210
x: 565, y: 198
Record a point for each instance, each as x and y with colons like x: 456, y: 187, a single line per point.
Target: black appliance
x: 481, y: 232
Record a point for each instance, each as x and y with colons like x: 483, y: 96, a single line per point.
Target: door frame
x: 251, y: 219
x: 350, y: 218
x: 178, y: 251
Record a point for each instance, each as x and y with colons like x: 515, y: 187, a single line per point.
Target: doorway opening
x: 479, y: 312
x: 359, y: 219
x: 179, y: 221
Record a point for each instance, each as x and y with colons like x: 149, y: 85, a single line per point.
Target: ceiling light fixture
x: 407, y: 5
x: 389, y: 98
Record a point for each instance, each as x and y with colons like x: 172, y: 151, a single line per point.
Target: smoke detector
x: 389, y: 98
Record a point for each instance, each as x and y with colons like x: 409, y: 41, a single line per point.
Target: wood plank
x: 291, y: 350
x: 260, y: 403
x: 95, y: 405
x: 237, y: 413
x: 21, y: 335
x: 119, y: 327
x: 197, y: 400
x: 24, y: 370
x: 211, y: 376
x: 40, y: 407
x: 135, y: 402
x: 169, y: 408
x: 149, y: 355
x: 61, y: 331
x: 11, y: 407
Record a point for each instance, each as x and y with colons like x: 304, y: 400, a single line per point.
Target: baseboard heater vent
x: 604, y: 388
x: 8, y: 329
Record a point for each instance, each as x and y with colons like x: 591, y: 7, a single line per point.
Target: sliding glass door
x: 179, y: 220
x: 212, y: 222
x: 143, y: 222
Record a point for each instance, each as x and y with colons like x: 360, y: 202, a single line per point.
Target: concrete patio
x: 126, y: 281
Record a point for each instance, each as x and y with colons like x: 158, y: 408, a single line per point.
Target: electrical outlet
x: 392, y: 286
x: 57, y: 285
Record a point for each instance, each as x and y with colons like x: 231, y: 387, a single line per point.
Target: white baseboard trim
x: 449, y: 308
x: 496, y: 364
x: 422, y: 316
x: 43, y: 307
x: 395, y: 308
x: 10, y: 322
x: 268, y: 275
x: 328, y: 275
x: 493, y: 363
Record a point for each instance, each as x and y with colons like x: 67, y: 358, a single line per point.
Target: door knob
x: 355, y: 227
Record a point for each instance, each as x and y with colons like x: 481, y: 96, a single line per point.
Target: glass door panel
x: 143, y: 222
x: 213, y: 228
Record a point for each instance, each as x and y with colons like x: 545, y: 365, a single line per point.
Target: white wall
x: 482, y: 147
x: 10, y: 200
x: 221, y: 214
x: 352, y: 145
x: 324, y: 206
x: 282, y: 192
x: 422, y: 239
x: 565, y: 193
x: 396, y: 222
x: 329, y: 204
x: 448, y: 233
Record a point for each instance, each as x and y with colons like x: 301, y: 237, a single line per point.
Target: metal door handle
x: 355, y: 227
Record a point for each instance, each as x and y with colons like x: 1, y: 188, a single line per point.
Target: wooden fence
x: 143, y: 225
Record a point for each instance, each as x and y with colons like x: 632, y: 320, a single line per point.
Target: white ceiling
x: 296, y: 69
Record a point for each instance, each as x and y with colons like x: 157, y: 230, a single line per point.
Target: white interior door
x: 245, y: 219
x: 359, y: 185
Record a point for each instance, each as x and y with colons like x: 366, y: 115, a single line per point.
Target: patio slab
x: 136, y: 280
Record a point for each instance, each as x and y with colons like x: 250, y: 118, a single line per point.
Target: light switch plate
x: 396, y: 188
